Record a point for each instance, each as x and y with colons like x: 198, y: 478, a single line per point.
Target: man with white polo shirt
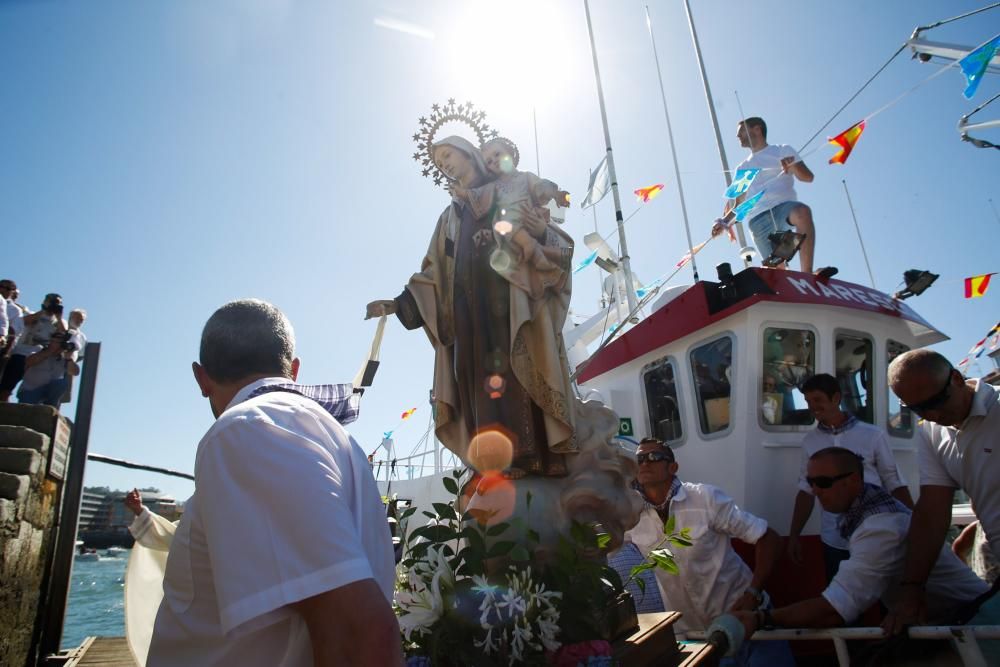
x: 958, y: 448
x: 283, y: 555
x: 836, y: 428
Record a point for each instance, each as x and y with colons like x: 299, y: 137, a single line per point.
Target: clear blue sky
x: 160, y: 159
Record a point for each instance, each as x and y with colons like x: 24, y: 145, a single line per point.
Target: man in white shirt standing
x: 836, y: 428
x: 777, y: 210
x: 958, y: 447
x: 875, y: 523
x: 15, y: 320
x: 283, y: 555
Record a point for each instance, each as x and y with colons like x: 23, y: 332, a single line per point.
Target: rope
x: 956, y: 18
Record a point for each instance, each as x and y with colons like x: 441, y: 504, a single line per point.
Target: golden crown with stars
x: 430, y: 126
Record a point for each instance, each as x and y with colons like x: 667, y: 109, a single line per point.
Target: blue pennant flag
x: 974, y: 65
x: 740, y: 184
x: 585, y: 263
x: 643, y: 291
x: 386, y: 435
x: 747, y: 206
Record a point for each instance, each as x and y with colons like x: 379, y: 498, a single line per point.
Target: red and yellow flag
x: 976, y: 286
x: 407, y: 414
x: 846, y: 141
x: 645, y: 194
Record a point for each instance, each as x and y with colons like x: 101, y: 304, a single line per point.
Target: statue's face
x: 498, y: 159
x: 455, y: 164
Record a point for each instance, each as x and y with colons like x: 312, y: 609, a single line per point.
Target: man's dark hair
x: 247, y: 337
x: 663, y: 446
x: 823, y: 382
x: 757, y: 121
x: 847, y: 461
x: 7, y: 283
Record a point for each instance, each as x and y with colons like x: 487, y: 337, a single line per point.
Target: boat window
x: 900, y: 419
x: 853, y: 362
x: 660, y: 383
x: 789, y: 360
x: 711, y: 365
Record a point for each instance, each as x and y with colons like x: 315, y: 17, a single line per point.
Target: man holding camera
x: 40, y: 356
x: 45, y: 372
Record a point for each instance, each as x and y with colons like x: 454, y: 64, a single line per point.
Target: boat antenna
x: 673, y: 148
x: 626, y: 263
x: 858, y: 229
x: 741, y: 239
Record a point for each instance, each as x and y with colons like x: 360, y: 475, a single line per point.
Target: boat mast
x: 741, y: 239
x: 673, y: 148
x: 626, y: 264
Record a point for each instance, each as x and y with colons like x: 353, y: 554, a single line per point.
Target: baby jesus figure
x: 534, y: 266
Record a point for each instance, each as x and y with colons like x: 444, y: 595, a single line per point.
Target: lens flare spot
x: 507, y: 164
x: 501, y: 261
x: 495, y: 386
x: 503, y: 227
x: 493, y: 500
x: 490, y: 451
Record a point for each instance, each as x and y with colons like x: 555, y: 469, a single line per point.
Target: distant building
x: 104, y: 519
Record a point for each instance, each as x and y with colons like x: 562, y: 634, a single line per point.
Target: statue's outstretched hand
x: 379, y: 308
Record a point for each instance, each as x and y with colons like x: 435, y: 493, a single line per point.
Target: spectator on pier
x: 77, y: 317
x: 15, y: 327
x: 714, y: 578
x: 250, y: 579
x: 45, y: 372
x: 837, y: 428
x: 956, y: 445
x: 875, y: 525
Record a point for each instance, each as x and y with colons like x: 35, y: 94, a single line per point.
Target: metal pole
x: 600, y: 280
x: 137, y: 466
x: 626, y: 264
x: 673, y: 148
x: 858, y: 229
x: 69, y: 515
x: 741, y: 239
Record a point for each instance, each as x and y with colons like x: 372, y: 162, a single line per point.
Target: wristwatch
x: 758, y: 595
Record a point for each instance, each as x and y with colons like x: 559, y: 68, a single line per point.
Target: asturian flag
x: 747, y: 206
x: 976, y: 286
x: 846, y: 140
x: 600, y: 182
x: 586, y: 262
x: 741, y: 183
x: 974, y: 65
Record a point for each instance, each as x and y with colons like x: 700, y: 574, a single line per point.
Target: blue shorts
x: 771, y: 221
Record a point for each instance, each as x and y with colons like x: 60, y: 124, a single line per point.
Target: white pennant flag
x: 600, y: 182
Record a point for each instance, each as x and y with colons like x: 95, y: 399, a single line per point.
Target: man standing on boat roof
x: 778, y: 210
x: 958, y: 445
x: 713, y: 578
x: 836, y: 428
x: 283, y: 555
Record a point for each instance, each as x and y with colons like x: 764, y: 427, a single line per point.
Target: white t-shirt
x: 868, y: 442
x: 968, y: 457
x: 713, y: 576
x: 780, y: 187
x: 285, y: 508
x: 878, y: 553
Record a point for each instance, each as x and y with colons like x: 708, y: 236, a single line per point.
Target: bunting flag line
x: 691, y: 253
x: 975, y: 63
x: 741, y: 183
x: 645, y: 194
x: 976, y: 286
x: 747, y: 206
x: 406, y: 414
x: 846, y: 141
x: 646, y: 289
x: 963, y: 363
x: 600, y: 183
x: 977, y: 348
x: 585, y: 263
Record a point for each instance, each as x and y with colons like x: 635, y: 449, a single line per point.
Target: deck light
x: 916, y: 282
x: 784, y: 246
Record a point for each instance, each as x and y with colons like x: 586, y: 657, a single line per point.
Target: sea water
x: 96, y: 603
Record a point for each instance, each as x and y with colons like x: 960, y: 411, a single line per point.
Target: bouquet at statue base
x: 471, y: 590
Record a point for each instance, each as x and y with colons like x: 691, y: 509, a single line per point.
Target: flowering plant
x: 473, y: 591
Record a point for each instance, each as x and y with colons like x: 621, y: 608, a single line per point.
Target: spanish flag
x: 976, y: 286
x: 407, y: 414
x: 846, y: 141
x: 645, y: 194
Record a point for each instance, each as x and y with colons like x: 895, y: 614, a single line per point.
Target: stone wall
x: 28, y: 503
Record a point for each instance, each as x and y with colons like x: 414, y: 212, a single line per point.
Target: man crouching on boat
x: 713, y: 579
x: 875, y: 525
x: 283, y: 555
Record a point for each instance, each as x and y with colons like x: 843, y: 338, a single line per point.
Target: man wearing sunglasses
x: 958, y: 445
x: 713, y: 578
x: 875, y: 525
x: 837, y: 428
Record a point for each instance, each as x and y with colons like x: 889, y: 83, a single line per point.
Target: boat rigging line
x: 858, y: 229
x: 963, y: 126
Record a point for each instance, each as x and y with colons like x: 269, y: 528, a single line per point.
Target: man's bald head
x: 918, y: 365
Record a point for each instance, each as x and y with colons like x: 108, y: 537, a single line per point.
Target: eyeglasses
x: 935, y: 401
x: 653, y: 457
x: 825, y: 482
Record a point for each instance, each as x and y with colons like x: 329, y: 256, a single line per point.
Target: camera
x: 65, y: 340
